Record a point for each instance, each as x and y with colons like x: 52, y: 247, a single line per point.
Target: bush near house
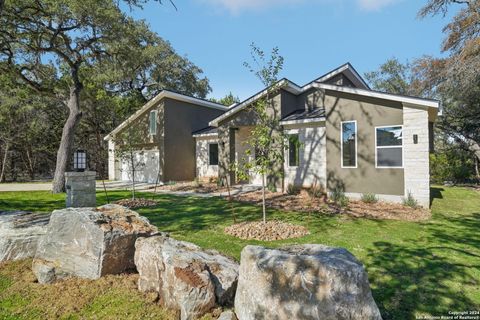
x: 369, y: 198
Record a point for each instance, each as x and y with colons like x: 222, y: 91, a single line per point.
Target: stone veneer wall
x: 416, y: 156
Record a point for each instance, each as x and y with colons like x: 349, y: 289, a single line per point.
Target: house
x: 166, y: 150
x: 351, y: 137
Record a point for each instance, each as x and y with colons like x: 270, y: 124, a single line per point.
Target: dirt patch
x: 385, y: 210
x: 117, y: 217
x: 303, y: 202
x: 189, y: 276
x: 137, y: 203
x: 268, y: 231
x: 192, y: 186
x: 110, y: 297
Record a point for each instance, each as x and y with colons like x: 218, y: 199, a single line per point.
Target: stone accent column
x: 80, y: 188
x: 416, y: 155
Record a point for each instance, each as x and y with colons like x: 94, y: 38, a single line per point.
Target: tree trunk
x: 2, y: 2
x: 68, y: 135
x: 263, y: 199
x: 4, y: 162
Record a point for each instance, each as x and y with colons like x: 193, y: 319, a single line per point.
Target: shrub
x: 343, y: 202
x: 410, y: 201
x: 197, y: 183
x: 338, y: 196
x: 293, y: 189
x: 271, y: 187
x: 213, y: 180
x: 316, y: 191
x: 369, y: 198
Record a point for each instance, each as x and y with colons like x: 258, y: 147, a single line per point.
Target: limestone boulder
x: 89, y: 242
x: 20, y: 232
x: 303, y: 282
x: 227, y: 315
x: 186, y: 277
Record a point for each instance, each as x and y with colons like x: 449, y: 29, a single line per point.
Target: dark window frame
x: 214, y: 161
x: 342, y: 160
x: 296, y: 153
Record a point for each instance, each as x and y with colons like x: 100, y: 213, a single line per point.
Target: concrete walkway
x: 39, y: 186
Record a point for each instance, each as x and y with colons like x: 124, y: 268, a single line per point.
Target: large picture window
x: 153, y: 123
x: 349, y: 144
x: 213, y: 154
x: 293, y: 150
x: 389, y: 147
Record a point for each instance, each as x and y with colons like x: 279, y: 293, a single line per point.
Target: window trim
x: 288, y: 150
x: 389, y: 147
x: 356, y: 144
x: 150, y: 122
x: 218, y: 153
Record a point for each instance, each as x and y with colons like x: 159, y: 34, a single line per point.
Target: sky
x: 313, y: 36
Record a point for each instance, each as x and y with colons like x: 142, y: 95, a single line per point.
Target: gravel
x: 268, y: 231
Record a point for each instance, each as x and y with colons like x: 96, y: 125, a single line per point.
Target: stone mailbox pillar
x: 80, y: 188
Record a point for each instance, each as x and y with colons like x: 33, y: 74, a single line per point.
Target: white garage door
x: 146, y: 167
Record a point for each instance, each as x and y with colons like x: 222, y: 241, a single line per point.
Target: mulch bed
x: 303, y: 202
x: 199, y: 187
x: 137, y: 203
x: 266, y: 231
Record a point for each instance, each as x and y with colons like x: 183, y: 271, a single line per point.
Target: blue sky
x: 314, y: 36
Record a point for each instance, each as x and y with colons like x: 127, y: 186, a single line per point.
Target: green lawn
x: 427, y: 267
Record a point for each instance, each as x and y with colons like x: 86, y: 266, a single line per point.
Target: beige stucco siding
x: 204, y: 169
x: 312, y: 167
x: 369, y: 113
x: 181, y: 119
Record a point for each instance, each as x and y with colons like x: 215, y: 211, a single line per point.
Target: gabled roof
x: 349, y: 71
x: 302, y: 114
x: 205, y: 132
x: 292, y: 87
x: 166, y: 94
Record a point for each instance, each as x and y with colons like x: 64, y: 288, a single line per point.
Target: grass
x: 414, y: 268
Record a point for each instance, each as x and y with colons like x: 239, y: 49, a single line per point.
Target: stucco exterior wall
x: 204, y: 169
x: 312, y: 168
x: 416, y: 156
x: 181, y: 119
x: 369, y: 113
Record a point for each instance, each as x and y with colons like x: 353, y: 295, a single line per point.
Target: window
x: 349, y: 144
x: 389, y: 147
x: 213, y: 154
x: 153, y: 123
x: 293, y: 150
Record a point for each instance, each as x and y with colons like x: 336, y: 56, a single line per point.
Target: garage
x: 146, y: 166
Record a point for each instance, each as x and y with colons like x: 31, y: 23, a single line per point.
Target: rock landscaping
x: 303, y: 282
x: 20, y: 232
x: 186, y: 277
x: 136, y: 203
x: 266, y: 231
x: 89, y: 243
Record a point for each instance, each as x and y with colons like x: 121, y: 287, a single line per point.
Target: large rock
x: 302, y: 282
x: 89, y: 242
x: 20, y: 232
x: 186, y: 277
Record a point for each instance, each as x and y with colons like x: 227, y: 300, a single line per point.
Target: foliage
x: 451, y: 163
x: 293, y: 189
x: 110, y: 61
x: 369, y: 198
x: 228, y: 100
x: 410, y: 201
x: 266, y: 139
x: 316, y: 190
x: 414, y: 268
x: 392, y: 76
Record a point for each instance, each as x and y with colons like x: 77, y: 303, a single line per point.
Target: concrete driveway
x: 37, y: 186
